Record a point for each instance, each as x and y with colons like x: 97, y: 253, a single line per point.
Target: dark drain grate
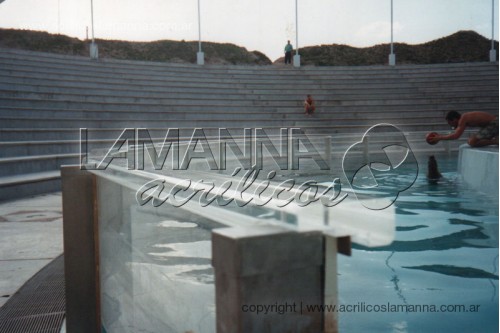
x: 39, y: 305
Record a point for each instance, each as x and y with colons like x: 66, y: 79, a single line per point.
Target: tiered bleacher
x: 46, y: 98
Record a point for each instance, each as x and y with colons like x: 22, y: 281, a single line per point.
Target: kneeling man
x: 487, y: 135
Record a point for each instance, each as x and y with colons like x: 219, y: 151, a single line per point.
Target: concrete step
x: 251, y: 70
x: 200, y: 73
x: 79, y: 61
x: 26, y: 185
x: 460, y: 89
x: 289, y: 107
x: 19, y: 165
x: 234, y: 86
x: 158, y: 114
x: 20, y: 82
x: 319, y: 94
x: 438, y: 82
x: 447, y: 67
x: 33, y: 148
x: 9, y: 149
x: 127, y: 123
x: 215, y: 113
x: 298, y: 120
x: 95, y: 102
x: 463, y: 94
x: 480, y: 70
x: 10, y: 135
x: 451, y: 104
x: 39, y: 134
x: 61, y: 147
x: 176, y: 85
x: 331, y: 130
x: 130, y: 66
x: 54, y: 147
x: 73, y: 134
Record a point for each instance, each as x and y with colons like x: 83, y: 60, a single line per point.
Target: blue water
x: 445, y: 254
x: 156, y: 273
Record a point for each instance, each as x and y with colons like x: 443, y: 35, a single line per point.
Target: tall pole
x: 199, y: 27
x: 200, y: 56
x: 296, y: 58
x: 392, y: 56
x: 392, y: 28
x: 59, y: 16
x: 296, y: 27
x: 94, y: 52
x: 92, y: 18
x: 493, y: 52
x: 492, y: 24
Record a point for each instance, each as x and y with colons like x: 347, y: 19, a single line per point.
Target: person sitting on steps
x: 309, y: 106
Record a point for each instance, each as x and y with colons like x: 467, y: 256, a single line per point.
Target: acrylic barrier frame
x: 103, y: 224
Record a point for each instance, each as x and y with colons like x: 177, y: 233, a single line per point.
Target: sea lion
x: 433, y: 174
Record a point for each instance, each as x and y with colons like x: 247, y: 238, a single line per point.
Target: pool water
x: 440, y: 273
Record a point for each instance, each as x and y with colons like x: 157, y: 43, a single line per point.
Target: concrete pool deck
x: 31, y: 237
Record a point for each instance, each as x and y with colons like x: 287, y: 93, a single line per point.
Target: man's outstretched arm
x: 453, y: 136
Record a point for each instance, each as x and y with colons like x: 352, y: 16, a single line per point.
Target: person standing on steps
x: 288, y: 53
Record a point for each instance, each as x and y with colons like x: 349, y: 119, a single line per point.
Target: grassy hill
x: 163, y: 50
x: 463, y: 46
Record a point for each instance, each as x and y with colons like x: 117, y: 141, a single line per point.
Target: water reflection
x: 479, y: 236
x: 156, y: 271
x: 466, y: 272
x: 445, y: 252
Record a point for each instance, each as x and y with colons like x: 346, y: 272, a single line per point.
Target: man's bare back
x: 476, y: 119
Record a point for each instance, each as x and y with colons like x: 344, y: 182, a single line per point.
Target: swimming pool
x: 440, y: 273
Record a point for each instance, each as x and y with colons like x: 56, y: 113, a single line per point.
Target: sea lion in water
x: 433, y: 174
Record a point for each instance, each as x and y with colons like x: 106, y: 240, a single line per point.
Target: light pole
x: 58, y: 17
x: 392, y: 56
x: 296, y: 57
x: 493, y: 52
x: 200, y: 56
x: 94, y: 51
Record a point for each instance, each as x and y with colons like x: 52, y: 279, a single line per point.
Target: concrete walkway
x: 31, y: 236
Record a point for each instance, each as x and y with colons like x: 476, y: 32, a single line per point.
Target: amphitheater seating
x: 45, y: 99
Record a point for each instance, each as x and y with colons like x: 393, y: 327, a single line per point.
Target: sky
x: 263, y: 25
